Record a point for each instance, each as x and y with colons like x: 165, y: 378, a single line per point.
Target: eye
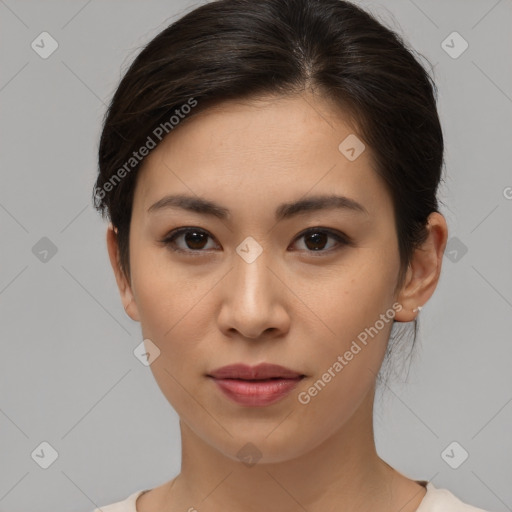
x: 195, y: 240
x: 315, y: 239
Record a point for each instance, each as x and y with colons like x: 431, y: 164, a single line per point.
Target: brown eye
x: 194, y: 240
x: 316, y: 240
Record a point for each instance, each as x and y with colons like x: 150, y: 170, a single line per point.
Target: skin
x: 292, y: 306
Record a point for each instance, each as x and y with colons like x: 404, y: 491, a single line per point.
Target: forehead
x: 282, y: 147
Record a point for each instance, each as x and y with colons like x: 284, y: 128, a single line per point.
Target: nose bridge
x: 252, y: 297
x: 252, y: 280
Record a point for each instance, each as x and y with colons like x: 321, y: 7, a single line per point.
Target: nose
x: 253, y: 300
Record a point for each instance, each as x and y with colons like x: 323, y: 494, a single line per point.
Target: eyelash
x: 342, y: 239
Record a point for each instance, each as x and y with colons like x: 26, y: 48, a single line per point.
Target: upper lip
x: 259, y: 372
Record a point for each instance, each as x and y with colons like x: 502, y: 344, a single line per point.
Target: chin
x: 265, y: 447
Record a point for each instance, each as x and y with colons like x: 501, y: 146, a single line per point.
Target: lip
x: 255, y: 386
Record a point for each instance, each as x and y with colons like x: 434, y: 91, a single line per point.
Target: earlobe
x: 123, y: 284
x: 424, y: 270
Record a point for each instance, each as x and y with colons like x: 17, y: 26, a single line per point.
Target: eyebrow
x: 284, y: 211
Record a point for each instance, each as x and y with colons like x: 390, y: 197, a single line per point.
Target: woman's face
x: 213, y: 298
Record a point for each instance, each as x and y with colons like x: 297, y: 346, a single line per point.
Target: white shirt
x: 435, y: 500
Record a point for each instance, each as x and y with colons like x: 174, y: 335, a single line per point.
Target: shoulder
x: 125, y: 505
x: 442, y: 500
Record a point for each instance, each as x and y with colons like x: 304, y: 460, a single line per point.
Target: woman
x: 270, y: 171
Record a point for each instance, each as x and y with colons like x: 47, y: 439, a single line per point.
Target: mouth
x: 257, y: 386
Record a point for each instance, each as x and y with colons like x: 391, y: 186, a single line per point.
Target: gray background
x: 68, y: 375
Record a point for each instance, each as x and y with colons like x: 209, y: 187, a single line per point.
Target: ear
x: 124, y: 286
x: 424, y: 270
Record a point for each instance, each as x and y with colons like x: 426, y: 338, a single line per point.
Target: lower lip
x: 256, y: 393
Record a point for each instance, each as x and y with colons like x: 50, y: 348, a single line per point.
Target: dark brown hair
x: 238, y: 49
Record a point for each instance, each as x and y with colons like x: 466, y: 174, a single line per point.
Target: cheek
x: 174, y: 318
x: 173, y: 307
x: 347, y: 362
x: 167, y: 305
x: 355, y: 307
x: 354, y: 295
x: 161, y: 292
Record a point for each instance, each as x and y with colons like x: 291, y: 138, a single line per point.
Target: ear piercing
x: 418, y: 309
